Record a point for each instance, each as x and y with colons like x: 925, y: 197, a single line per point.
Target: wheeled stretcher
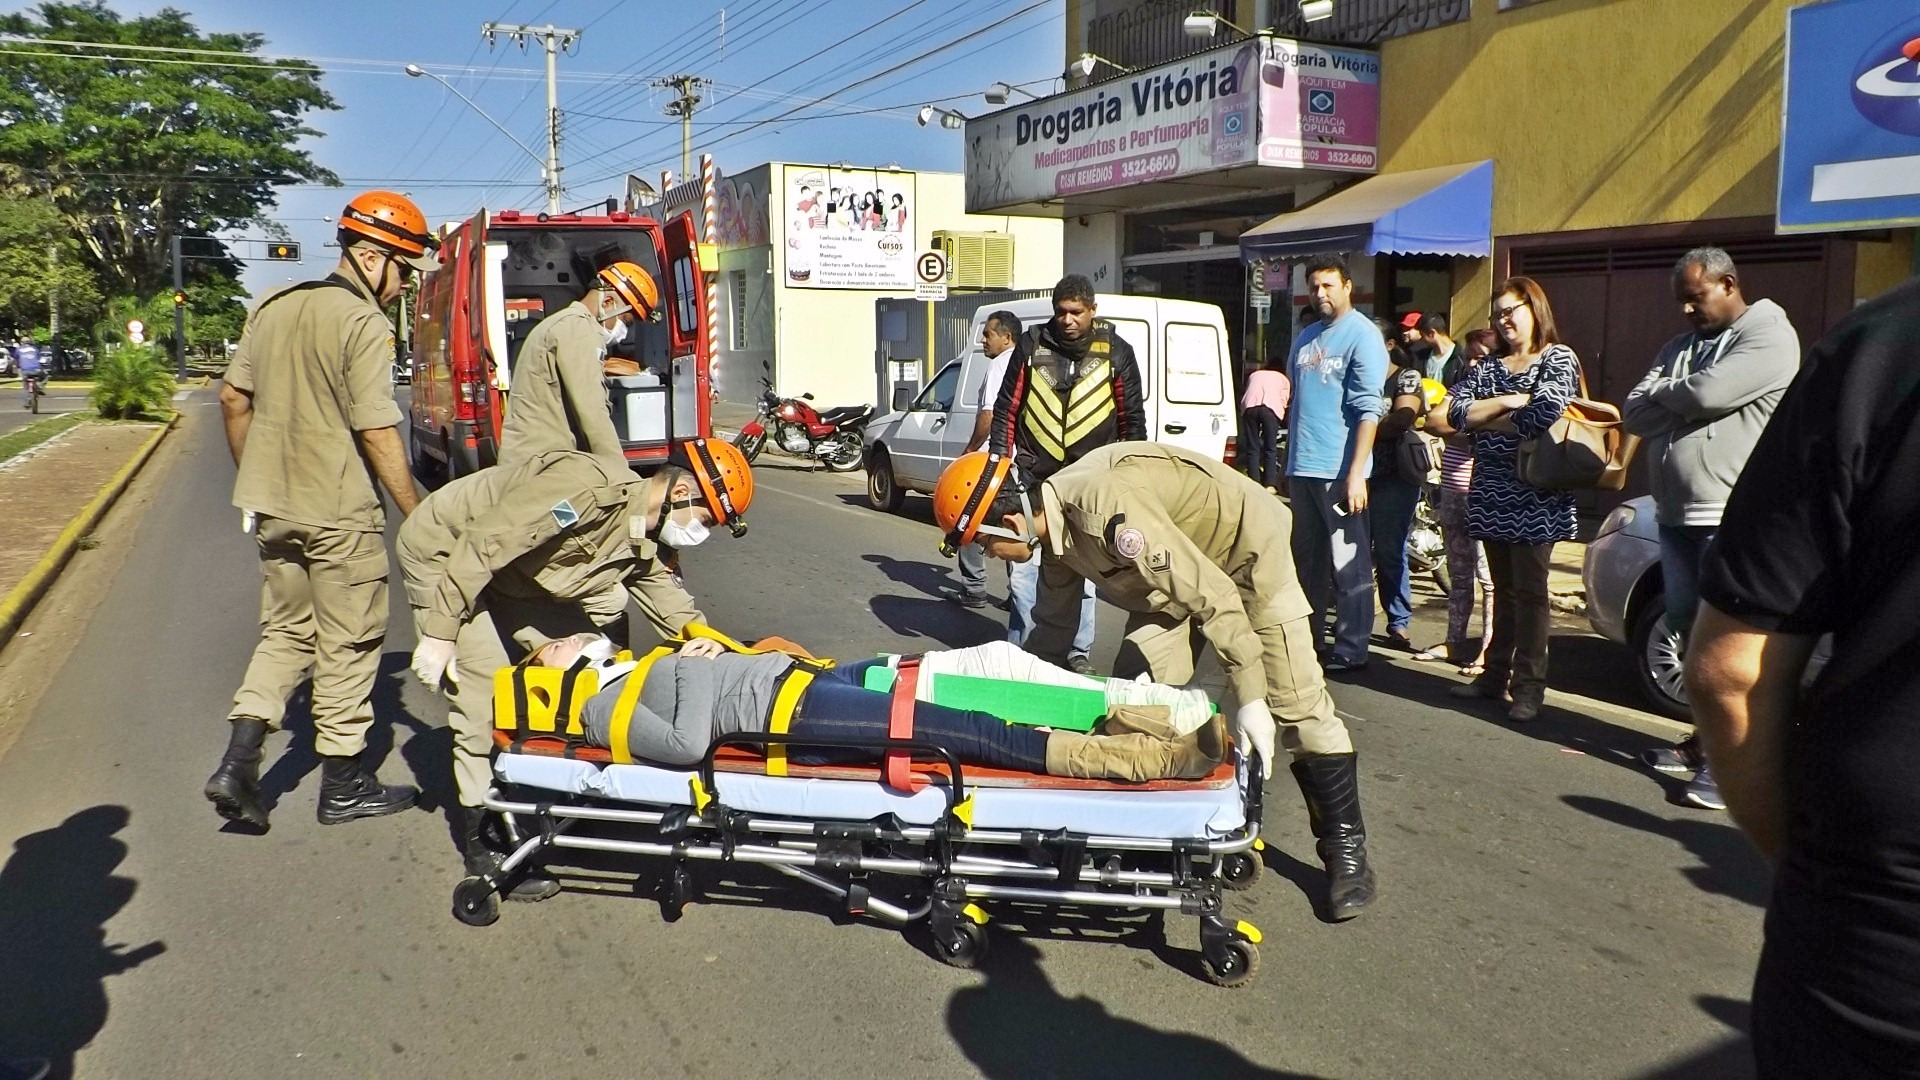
x: 919, y: 838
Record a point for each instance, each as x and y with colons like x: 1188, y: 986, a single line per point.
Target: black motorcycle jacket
x: 1061, y: 399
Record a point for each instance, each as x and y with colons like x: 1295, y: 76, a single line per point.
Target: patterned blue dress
x: 1500, y: 506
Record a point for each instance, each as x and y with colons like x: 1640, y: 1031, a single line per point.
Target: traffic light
x: 284, y: 252
x: 179, y: 298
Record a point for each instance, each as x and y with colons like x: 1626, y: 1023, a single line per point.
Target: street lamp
x: 1205, y: 24
x: 547, y: 176
x: 1000, y: 92
x: 1084, y: 67
x: 1316, y: 10
x: 949, y: 119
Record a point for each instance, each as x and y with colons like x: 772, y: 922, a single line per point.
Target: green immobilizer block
x: 1065, y: 707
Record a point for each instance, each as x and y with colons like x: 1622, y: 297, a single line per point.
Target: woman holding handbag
x: 1516, y: 395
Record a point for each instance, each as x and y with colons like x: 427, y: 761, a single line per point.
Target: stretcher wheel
x: 1232, y: 963
x: 963, y: 945
x: 476, y: 903
x: 1240, y: 870
x: 676, y: 893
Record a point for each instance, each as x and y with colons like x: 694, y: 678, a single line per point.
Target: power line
x: 903, y: 65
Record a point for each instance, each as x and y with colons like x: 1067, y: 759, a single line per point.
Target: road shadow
x: 1730, y: 1059
x: 296, y: 759
x: 1016, y: 1026
x: 1729, y: 866
x: 1428, y: 684
x: 57, y: 893
x: 949, y: 624
x: 931, y: 615
x: 1597, y: 668
x: 427, y: 751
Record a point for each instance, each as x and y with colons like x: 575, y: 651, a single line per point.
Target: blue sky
x: 411, y: 135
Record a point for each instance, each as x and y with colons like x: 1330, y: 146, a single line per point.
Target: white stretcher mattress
x: 1186, y: 813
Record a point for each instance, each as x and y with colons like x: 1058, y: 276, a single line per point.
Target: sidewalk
x: 43, y: 489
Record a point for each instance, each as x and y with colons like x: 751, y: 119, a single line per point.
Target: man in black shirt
x: 1819, y: 538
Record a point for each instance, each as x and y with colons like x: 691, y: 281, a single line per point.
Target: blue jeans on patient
x: 837, y: 703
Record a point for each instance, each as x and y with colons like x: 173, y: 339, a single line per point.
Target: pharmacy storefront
x: 1156, y: 173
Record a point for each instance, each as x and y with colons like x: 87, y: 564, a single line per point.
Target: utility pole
x: 555, y: 39
x: 682, y: 107
x: 53, y: 306
x: 179, y: 314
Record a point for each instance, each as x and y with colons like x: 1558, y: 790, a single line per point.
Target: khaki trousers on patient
x: 323, y: 606
x: 1165, y: 649
x: 494, y: 637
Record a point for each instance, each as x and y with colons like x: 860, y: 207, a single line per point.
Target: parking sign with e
x: 931, y: 267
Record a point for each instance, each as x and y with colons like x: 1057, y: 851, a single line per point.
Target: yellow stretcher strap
x: 624, y: 705
x: 785, y: 701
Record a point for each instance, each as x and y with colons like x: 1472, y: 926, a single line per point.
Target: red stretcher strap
x: 897, y: 767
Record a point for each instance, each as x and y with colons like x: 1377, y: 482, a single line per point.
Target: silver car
x: 1626, y: 602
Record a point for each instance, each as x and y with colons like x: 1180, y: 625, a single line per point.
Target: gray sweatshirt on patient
x: 686, y: 704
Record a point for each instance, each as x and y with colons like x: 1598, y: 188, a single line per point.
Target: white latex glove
x: 433, y: 660
x: 1254, y: 729
x: 702, y: 649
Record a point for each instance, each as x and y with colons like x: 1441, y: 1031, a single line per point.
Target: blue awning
x: 1443, y: 211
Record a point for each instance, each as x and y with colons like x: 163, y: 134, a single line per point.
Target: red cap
x: 1410, y: 320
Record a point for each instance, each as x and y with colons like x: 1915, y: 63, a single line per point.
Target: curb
x: 18, y: 603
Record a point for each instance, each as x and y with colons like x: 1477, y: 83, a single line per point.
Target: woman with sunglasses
x: 1516, y: 394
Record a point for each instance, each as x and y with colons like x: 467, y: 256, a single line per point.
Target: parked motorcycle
x: 835, y: 438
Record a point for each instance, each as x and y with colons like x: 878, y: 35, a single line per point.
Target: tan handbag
x: 1587, y: 447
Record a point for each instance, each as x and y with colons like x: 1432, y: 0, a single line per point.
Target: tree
x: 39, y: 262
x: 135, y: 147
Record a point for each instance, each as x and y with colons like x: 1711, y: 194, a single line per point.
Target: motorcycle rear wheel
x: 841, y: 452
x: 750, y: 445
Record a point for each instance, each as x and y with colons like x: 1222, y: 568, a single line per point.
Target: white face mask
x: 617, y: 335
x: 675, y: 535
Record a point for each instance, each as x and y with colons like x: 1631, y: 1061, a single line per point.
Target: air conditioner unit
x: 977, y: 260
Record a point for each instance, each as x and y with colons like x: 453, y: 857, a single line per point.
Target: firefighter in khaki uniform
x: 1177, y: 540
x: 559, y: 396
x: 501, y: 562
x: 311, y: 421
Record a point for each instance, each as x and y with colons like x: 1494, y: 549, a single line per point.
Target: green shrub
x: 133, y: 380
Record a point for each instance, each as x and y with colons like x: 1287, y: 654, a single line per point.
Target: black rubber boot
x: 348, y: 791
x: 1331, y: 785
x: 530, y: 886
x: 234, y: 787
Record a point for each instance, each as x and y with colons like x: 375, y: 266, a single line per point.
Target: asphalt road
x: 1545, y: 910
x: 65, y: 398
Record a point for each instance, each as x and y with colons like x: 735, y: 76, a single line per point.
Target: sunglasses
x: 1505, y: 314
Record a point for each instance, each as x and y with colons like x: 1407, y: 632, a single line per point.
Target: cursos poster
x: 1191, y: 116
x: 1319, y: 107
x: 848, y: 228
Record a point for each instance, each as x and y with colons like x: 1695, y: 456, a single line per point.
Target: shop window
x: 1194, y: 364
x: 737, y: 288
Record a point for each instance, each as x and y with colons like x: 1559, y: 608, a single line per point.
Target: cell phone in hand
x: 1340, y: 510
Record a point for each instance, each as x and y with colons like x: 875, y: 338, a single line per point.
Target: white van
x: 1180, y: 345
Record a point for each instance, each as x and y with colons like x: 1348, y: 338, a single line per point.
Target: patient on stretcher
x: 692, y: 697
